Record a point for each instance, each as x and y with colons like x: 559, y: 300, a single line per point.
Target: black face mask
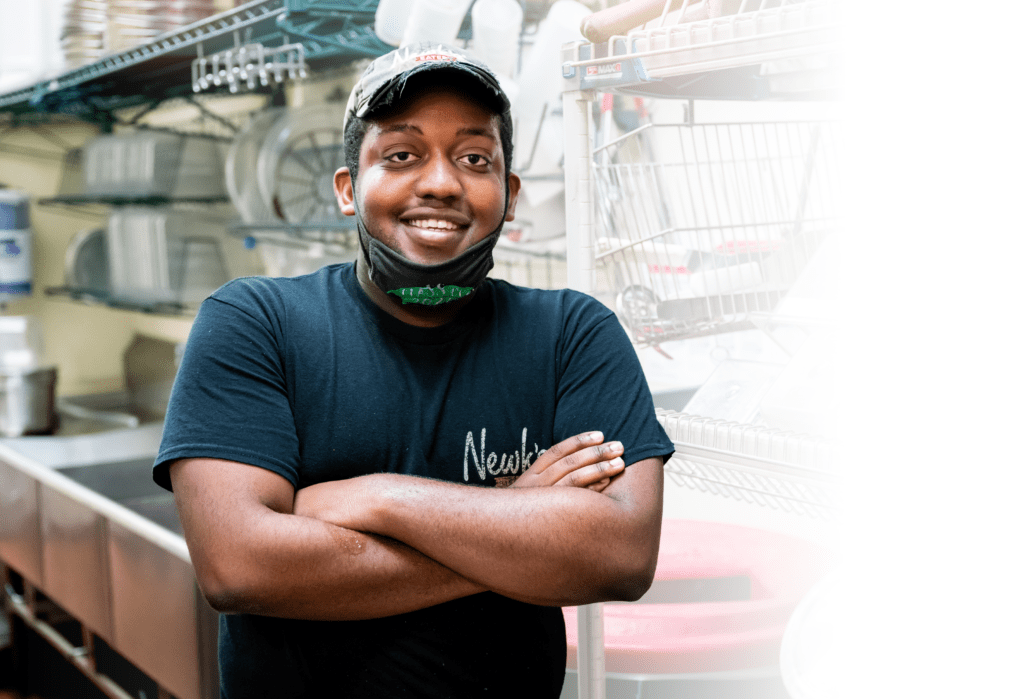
x: 428, y: 285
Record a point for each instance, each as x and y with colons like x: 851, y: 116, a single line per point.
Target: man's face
x: 431, y: 177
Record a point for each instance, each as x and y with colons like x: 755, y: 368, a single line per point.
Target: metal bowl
x: 28, y: 401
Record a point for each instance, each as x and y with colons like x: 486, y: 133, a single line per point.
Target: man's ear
x: 345, y: 192
x: 513, y: 195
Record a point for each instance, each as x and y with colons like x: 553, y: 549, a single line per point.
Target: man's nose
x: 439, y: 179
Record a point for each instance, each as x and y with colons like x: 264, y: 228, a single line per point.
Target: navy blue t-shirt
x: 306, y: 377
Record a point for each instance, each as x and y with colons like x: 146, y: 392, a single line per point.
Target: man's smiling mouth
x: 434, y: 224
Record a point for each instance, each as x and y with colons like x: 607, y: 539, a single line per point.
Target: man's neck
x: 411, y: 314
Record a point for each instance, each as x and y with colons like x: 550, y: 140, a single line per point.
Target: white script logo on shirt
x: 489, y: 463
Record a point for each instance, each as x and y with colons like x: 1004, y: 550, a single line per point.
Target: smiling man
x: 391, y: 474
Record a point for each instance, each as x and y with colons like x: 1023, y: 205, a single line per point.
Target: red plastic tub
x: 758, y: 576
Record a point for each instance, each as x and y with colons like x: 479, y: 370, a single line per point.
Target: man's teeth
x: 433, y: 223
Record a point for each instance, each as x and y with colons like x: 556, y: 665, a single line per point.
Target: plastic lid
x: 13, y: 210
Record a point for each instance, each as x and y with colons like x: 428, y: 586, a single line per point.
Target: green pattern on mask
x: 431, y: 296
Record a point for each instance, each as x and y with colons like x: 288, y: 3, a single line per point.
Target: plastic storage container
x: 390, y: 20
x: 15, y: 245
x: 713, y: 622
x: 29, y: 42
x: 21, y: 342
x: 496, y: 28
x: 434, y: 20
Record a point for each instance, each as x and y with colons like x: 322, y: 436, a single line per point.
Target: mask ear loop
x: 361, y: 230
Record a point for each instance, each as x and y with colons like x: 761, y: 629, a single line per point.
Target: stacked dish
x: 85, y: 24
x: 133, y: 22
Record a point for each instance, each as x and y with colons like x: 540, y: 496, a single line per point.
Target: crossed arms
x: 576, y: 528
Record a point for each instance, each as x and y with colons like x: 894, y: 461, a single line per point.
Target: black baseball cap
x: 384, y: 80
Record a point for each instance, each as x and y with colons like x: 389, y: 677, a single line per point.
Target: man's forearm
x: 340, y: 574
x: 252, y: 555
x: 556, y: 546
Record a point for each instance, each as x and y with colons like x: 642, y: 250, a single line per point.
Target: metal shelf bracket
x: 328, y: 30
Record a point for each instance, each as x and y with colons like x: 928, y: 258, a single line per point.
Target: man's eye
x: 475, y: 159
x: 400, y: 157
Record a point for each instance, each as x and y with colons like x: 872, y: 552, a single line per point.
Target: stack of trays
x: 160, y: 255
x: 153, y: 164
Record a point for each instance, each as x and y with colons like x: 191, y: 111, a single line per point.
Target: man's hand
x: 583, y: 461
x: 342, y: 503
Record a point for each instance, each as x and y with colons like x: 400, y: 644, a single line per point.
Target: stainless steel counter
x: 82, y: 521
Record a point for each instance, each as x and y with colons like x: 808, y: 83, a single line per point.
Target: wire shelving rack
x: 701, y: 227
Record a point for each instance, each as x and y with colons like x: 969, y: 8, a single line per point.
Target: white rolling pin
x: 618, y: 20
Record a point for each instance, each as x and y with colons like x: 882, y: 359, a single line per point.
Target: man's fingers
x: 566, y: 448
x: 594, y: 473
x: 579, y: 460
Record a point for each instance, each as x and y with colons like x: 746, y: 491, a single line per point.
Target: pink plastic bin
x: 684, y: 637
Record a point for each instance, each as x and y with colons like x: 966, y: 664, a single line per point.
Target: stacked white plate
x: 85, y: 28
x: 133, y: 22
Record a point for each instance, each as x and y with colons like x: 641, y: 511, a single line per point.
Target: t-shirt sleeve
x: 230, y: 398
x: 602, y: 385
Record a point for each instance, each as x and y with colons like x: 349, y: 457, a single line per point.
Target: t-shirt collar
x: 471, y: 315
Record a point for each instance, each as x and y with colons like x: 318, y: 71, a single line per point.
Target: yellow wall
x: 84, y: 341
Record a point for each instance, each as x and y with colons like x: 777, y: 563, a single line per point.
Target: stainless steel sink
x: 159, y: 509
x: 83, y: 521
x: 121, y: 481
x: 66, y: 450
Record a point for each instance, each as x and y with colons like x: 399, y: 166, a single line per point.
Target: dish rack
x: 758, y: 465
x: 703, y: 226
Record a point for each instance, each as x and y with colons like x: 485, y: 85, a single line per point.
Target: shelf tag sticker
x: 624, y: 72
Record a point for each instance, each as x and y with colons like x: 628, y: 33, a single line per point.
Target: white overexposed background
x: 932, y: 381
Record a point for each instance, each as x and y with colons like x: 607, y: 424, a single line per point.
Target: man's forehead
x: 387, y: 127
